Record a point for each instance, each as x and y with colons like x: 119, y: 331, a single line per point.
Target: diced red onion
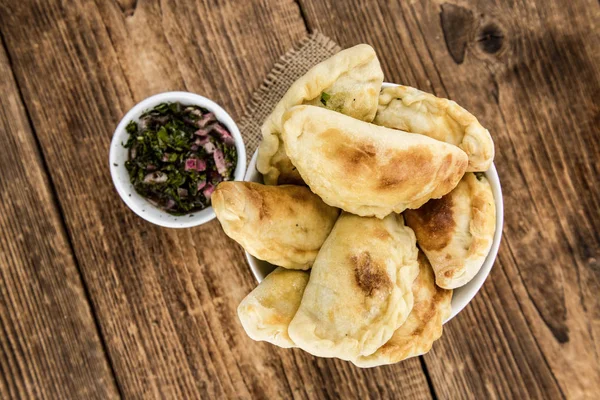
x: 209, y: 147
x: 205, y: 120
x: 194, y: 147
x: 220, y: 161
x: 156, y: 177
x: 190, y: 164
x: 181, y: 192
x: 142, y: 124
x: 201, y: 132
x: 201, y: 185
x: 133, y: 153
x: 200, y: 165
x: 165, y: 157
x: 194, y: 164
x: 224, y: 133
x: 170, y: 204
x: 162, y: 120
x: 208, y: 191
x: 150, y: 167
x: 202, y: 141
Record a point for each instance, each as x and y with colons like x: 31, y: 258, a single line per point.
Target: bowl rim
x: 120, y: 177
x: 461, y: 296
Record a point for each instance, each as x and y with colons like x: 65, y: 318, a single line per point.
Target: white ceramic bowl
x: 463, y: 295
x: 119, y: 154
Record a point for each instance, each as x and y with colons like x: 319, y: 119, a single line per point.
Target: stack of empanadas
x: 368, y: 176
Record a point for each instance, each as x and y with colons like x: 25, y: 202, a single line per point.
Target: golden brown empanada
x: 457, y: 231
x: 348, y: 82
x: 367, y: 169
x: 432, y: 306
x: 411, y: 110
x: 267, y: 311
x: 284, y: 225
x: 359, y: 291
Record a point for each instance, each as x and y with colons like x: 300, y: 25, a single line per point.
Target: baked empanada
x: 411, y: 110
x: 284, y: 225
x: 432, y: 306
x: 359, y: 291
x: 348, y: 82
x: 367, y: 169
x: 267, y: 311
x: 457, y: 231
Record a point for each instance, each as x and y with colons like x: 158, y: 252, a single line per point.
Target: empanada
x: 267, y: 311
x: 411, y: 110
x: 457, y: 231
x: 367, y: 169
x: 432, y: 306
x: 348, y: 82
x: 359, y: 291
x: 284, y: 225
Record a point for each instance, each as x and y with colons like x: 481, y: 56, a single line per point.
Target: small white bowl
x: 119, y: 154
x: 462, y: 295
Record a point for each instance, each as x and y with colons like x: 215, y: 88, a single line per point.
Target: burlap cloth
x: 292, y: 65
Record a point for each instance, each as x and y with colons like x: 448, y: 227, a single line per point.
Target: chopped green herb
x: 324, y: 98
x: 177, y: 155
x: 131, y: 128
x: 115, y: 164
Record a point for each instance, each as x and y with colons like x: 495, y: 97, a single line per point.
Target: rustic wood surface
x: 530, y: 71
x: 49, y: 344
x: 95, y: 302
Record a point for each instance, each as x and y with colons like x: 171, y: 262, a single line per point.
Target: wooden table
x: 97, y: 303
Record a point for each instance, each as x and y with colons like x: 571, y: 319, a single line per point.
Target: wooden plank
x: 49, y: 344
x: 166, y: 299
x: 529, y: 71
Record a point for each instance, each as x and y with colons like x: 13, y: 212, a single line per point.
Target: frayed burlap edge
x: 292, y: 65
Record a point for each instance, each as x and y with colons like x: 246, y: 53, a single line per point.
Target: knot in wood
x: 490, y: 38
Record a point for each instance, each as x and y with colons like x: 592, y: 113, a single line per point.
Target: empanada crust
x: 284, y: 225
x: 359, y: 290
x: 432, y: 306
x: 367, y: 169
x: 412, y: 110
x: 456, y: 232
x: 267, y: 311
x: 352, y: 80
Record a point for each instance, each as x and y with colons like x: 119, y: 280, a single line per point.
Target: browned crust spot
x: 428, y: 314
x: 370, y: 276
x: 301, y: 194
x: 255, y: 197
x: 405, y: 166
x: 353, y: 156
x: 382, y: 234
x: 433, y: 223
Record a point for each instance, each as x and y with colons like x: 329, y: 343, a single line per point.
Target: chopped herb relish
x: 177, y: 156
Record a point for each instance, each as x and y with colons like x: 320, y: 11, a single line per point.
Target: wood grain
x: 529, y: 71
x: 49, y: 344
x: 165, y: 299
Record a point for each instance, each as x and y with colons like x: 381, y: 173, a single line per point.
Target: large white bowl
x: 463, y: 295
x: 119, y: 154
